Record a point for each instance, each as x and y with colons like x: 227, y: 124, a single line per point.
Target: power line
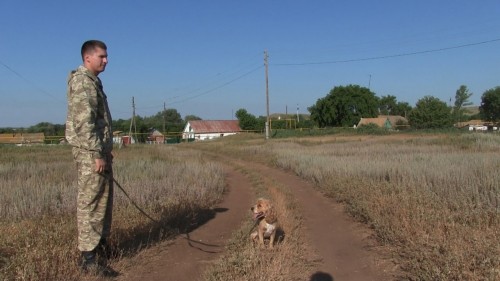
x: 28, y: 81
x: 220, y: 86
x: 207, y: 91
x: 228, y: 73
x: 389, y: 56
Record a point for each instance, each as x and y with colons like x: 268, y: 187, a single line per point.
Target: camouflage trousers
x: 95, y: 200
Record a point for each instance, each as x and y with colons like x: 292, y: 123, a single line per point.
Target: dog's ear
x: 271, y: 214
x: 259, y: 203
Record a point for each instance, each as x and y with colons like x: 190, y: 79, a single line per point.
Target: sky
x: 207, y: 58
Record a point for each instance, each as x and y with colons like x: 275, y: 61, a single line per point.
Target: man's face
x: 96, y: 61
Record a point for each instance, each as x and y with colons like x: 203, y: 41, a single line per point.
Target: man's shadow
x: 321, y: 276
x: 173, y: 221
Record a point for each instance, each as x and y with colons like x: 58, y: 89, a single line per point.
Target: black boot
x: 89, y: 259
x: 90, y: 265
x: 103, y: 250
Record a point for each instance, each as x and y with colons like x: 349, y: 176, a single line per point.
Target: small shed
x: 118, y: 137
x: 210, y: 129
x: 395, y: 120
x: 385, y: 121
x: 382, y: 122
x: 474, y: 125
x: 155, y: 137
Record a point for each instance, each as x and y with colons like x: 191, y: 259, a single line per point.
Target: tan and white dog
x: 264, y: 211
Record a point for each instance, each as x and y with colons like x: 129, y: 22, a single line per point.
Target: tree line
x: 166, y: 121
x: 343, y: 106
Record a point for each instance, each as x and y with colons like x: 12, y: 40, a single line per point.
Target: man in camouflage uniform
x: 88, y: 130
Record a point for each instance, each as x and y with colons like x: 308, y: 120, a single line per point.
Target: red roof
x: 214, y: 126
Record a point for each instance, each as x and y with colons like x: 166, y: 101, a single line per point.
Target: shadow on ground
x: 321, y: 276
x: 129, y: 242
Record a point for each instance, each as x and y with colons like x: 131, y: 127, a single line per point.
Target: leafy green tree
x: 48, y: 129
x: 7, y: 130
x: 490, y: 105
x: 169, y: 118
x: 261, y: 123
x: 387, y: 105
x: 402, y: 109
x: 430, y: 113
x: 462, y: 96
x: 344, y: 106
x: 191, y: 118
x: 246, y: 120
x: 323, y: 112
x: 121, y: 125
x: 173, y: 120
x: 143, y: 125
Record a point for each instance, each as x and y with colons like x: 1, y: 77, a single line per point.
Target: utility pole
x: 267, y: 93
x: 164, y: 117
x: 286, y: 117
x: 132, y: 121
x: 297, y: 113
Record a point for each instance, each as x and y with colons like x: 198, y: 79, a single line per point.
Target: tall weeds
x: 289, y: 260
x: 436, y: 200
x: 38, y: 194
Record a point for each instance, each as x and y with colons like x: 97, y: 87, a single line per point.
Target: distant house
x: 396, y: 120
x: 210, y: 129
x: 121, y: 139
x: 380, y: 122
x: 476, y: 125
x: 117, y: 137
x: 155, y: 137
x: 390, y: 122
x: 22, y: 138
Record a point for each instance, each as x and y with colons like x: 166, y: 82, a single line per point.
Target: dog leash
x: 130, y: 199
x: 257, y: 221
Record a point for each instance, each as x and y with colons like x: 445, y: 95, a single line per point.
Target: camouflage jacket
x: 88, y: 123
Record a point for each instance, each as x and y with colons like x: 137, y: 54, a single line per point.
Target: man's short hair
x: 90, y: 45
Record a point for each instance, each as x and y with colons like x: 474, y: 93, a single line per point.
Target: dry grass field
x: 38, y: 197
x: 433, y: 200
x: 243, y: 260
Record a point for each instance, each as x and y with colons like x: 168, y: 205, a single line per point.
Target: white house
x: 210, y: 129
x: 476, y: 125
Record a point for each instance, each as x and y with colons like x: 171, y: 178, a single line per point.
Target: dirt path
x: 343, y: 245
x: 185, y: 258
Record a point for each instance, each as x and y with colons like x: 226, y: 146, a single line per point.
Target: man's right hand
x: 100, y: 165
